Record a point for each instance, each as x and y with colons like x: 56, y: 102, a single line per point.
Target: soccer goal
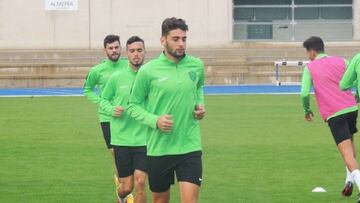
x: 289, y: 69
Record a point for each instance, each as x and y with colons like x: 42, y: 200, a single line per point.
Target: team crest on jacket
x: 192, y: 75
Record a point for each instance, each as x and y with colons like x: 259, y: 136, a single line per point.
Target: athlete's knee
x: 125, y: 189
x: 163, y: 197
x: 140, y: 181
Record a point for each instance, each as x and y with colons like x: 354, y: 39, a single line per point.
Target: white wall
x: 26, y: 24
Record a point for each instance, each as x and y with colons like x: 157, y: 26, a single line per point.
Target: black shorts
x: 127, y: 159
x: 161, y: 169
x: 105, y: 127
x: 343, y: 127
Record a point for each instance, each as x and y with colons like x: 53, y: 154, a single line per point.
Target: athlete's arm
x: 165, y: 123
x: 350, y: 76
x: 89, y: 86
x: 138, y: 95
x: 306, y: 84
x: 200, y: 87
x: 107, y: 96
x: 199, y: 111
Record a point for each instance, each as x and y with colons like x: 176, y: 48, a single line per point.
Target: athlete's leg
x: 161, y: 176
x: 161, y: 197
x: 346, y: 150
x: 140, y: 178
x: 125, y: 187
x: 353, y: 148
x: 140, y: 175
x: 189, y: 192
x: 349, y: 179
x: 124, y: 164
x: 189, y: 175
x: 342, y: 128
x: 105, y: 127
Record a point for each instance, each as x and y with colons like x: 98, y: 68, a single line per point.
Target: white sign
x: 61, y: 5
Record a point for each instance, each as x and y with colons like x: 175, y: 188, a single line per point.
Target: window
x: 243, y: 14
x: 305, y: 2
x: 272, y: 13
x: 306, y: 13
x: 265, y: 19
x: 336, y: 1
x: 273, y: 2
x: 336, y: 13
x: 243, y: 2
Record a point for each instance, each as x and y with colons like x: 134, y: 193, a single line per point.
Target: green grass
x: 256, y: 148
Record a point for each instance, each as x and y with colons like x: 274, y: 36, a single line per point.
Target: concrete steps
x: 237, y: 64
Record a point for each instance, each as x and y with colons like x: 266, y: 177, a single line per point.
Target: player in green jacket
x: 96, y: 81
x: 99, y: 75
x: 171, y: 86
x: 128, y: 137
x: 352, y: 75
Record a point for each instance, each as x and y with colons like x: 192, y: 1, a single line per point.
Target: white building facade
x: 82, y: 24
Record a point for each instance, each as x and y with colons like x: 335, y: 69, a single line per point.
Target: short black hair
x: 173, y: 24
x: 314, y: 43
x: 110, y: 39
x: 133, y: 39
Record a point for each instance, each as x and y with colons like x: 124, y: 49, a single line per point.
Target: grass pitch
x: 256, y: 148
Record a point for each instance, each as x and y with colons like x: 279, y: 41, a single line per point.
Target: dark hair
x: 134, y: 39
x: 173, y: 24
x: 314, y: 43
x: 110, y: 39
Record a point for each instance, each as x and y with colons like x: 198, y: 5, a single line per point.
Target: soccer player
x: 337, y: 108
x: 99, y: 75
x: 351, y: 75
x: 168, y: 97
x: 128, y: 137
x: 97, y: 78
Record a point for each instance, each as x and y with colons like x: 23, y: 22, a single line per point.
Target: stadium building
x: 83, y: 23
x: 230, y: 35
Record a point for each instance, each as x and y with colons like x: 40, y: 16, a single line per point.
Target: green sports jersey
x: 125, y: 131
x: 351, y: 74
x: 97, y: 77
x: 169, y: 88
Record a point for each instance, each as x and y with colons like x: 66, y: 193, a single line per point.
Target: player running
x: 128, y: 137
x: 171, y: 88
x: 97, y: 79
x: 337, y: 108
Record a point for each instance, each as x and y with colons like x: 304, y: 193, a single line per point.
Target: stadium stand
x: 245, y: 63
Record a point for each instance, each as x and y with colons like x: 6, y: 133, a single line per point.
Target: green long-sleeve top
x: 97, y: 78
x: 125, y: 130
x: 351, y: 75
x: 169, y: 88
x: 306, y: 84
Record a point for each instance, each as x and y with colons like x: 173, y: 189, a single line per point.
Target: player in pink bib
x: 337, y: 108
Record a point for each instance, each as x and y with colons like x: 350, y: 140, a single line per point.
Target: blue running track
x: 252, y: 89
x: 210, y: 90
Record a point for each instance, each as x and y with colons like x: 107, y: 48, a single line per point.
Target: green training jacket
x: 351, y: 75
x: 169, y: 88
x: 125, y: 130
x: 97, y: 78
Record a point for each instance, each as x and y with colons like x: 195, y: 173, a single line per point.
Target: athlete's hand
x: 164, y: 123
x: 199, y: 112
x: 118, y: 110
x: 309, y: 116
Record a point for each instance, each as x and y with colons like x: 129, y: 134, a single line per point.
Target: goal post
x: 278, y: 64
